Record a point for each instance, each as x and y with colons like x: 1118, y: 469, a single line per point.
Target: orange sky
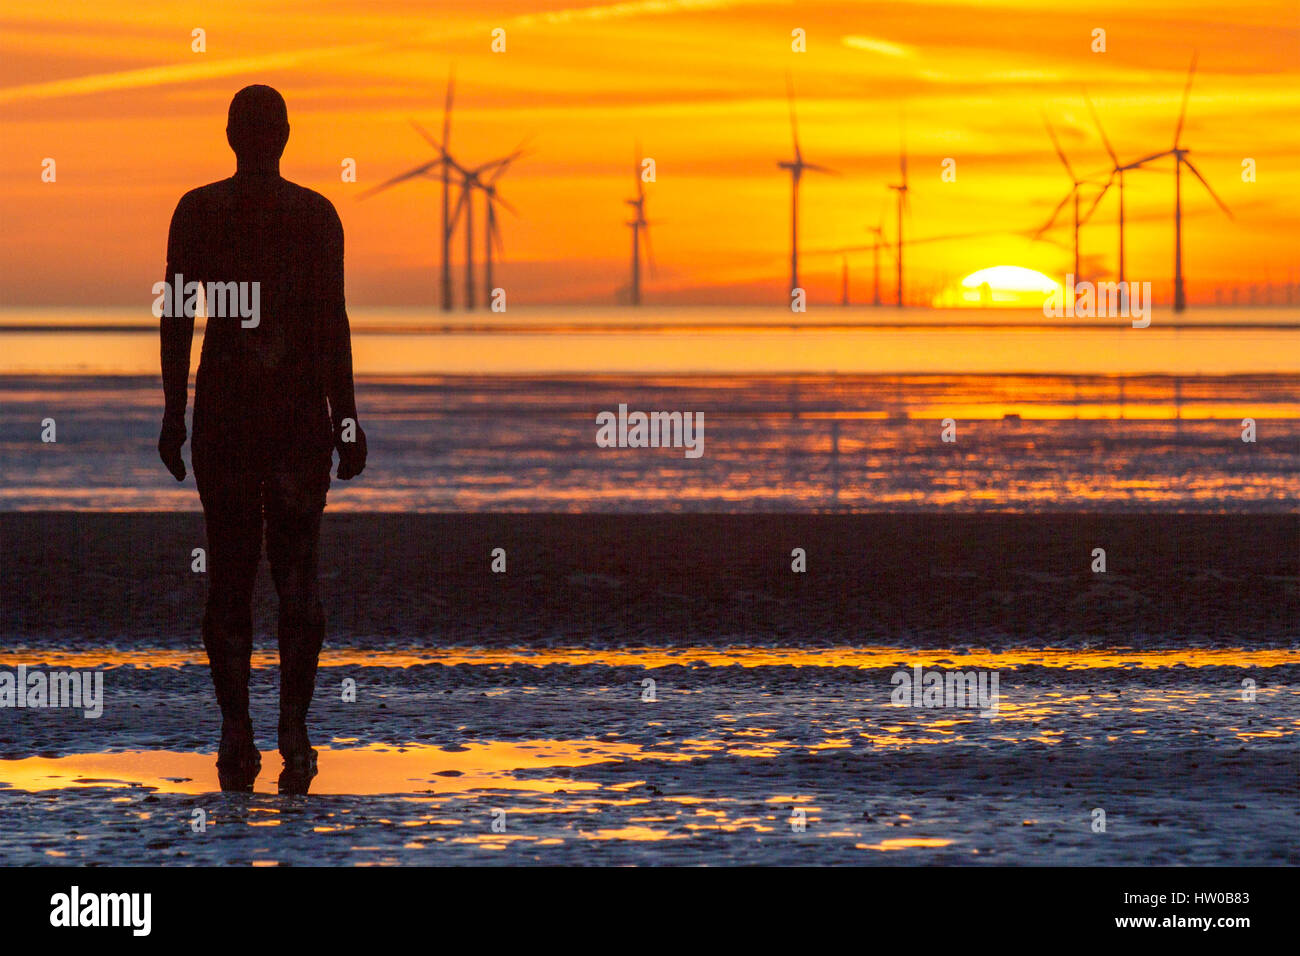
x: 134, y: 118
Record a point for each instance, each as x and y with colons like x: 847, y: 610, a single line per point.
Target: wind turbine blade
x: 498, y: 165
x: 426, y: 135
x: 446, y: 109
x: 1182, y: 113
x: 820, y: 169
x: 495, y: 198
x: 1059, y: 151
x: 409, y: 174
x: 649, y: 249
x: 1197, y: 173
x: 636, y: 170
x: 1146, y: 159
x: 1097, y: 122
x: 923, y: 240
x: 902, y: 147
x: 794, y: 123
x: 1097, y: 201
x: 1055, y: 212
x: 881, y: 243
x: 493, y: 231
x: 1050, y: 241
x: 505, y: 162
x: 500, y: 170
x: 461, y: 202
x: 952, y: 237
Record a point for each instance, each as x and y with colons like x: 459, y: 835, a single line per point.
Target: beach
x: 542, y: 650
x: 520, y: 698
x: 923, y: 580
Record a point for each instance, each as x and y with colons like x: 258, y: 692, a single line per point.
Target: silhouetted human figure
x: 272, y: 398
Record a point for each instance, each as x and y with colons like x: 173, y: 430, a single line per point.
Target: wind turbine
x: 1116, y: 174
x: 1075, y: 185
x: 639, y: 226
x: 879, y: 230
x: 874, y: 248
x: 901, y: 188
x: 493, y: 237
x: 446, y: 164
x: 1180, y: 160
x: 446, y: 193
x: 796, y: 168
x: 449, y: 219
x: 471, y: 179
x: 468, y: 181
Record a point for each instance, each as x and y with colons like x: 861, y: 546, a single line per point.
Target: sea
x: 839, y: 409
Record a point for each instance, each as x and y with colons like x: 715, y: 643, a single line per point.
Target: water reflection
x: 377, y: 769
x: 904, y: 843
x: 1032, y: 442
x: 652, y: 657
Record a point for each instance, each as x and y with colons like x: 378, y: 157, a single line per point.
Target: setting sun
x: 1001, y: 286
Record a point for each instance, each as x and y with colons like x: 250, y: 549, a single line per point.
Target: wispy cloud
x: 877, y: 45
x: 155, y: 76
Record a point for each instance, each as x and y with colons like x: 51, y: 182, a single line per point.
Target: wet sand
x: 524, y: 693
x: 773, y: 444
x: 927, y: 580
x: 420, y: 765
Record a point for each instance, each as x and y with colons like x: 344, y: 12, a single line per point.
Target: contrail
x: 152, y: 76
x: 167, y: 75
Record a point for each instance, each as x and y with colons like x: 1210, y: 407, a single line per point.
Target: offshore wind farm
x: 483, y: 179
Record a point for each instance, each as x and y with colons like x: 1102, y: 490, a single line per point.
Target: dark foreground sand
x: 418, y: 767
x: 912, y: 580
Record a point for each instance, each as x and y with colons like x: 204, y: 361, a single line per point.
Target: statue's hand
x: 352, y: 456
x: 169, y: 449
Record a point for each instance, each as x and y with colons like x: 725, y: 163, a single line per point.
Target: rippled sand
x: 564, y: 750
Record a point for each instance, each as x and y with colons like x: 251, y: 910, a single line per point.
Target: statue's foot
x: 295, y: 748
x: 238, y: 760
x: 240, y: 780
x: 296, y: 781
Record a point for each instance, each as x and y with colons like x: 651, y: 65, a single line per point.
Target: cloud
x: 155, y: 76
x: 877, y: 45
